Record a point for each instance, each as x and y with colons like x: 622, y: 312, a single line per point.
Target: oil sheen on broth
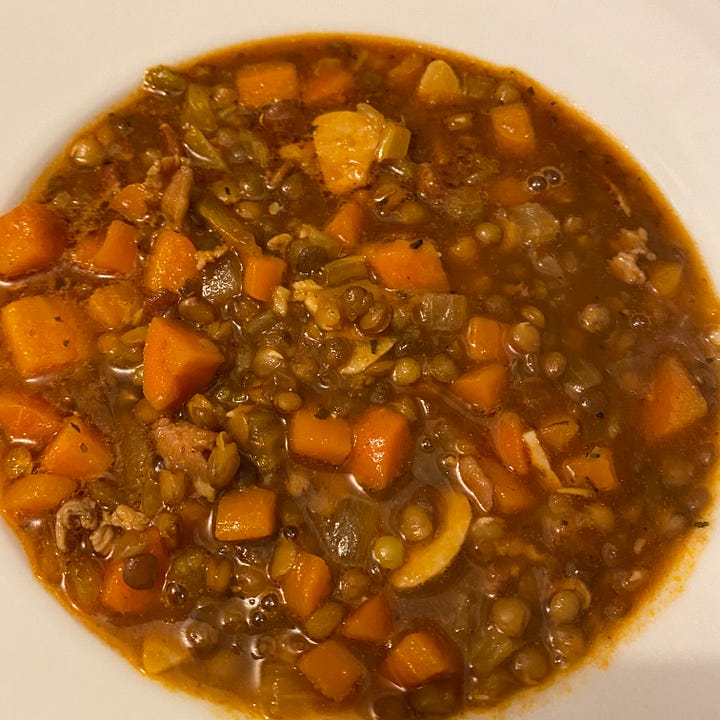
x: 349, y: 375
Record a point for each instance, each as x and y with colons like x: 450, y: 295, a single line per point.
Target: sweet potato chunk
x: 674, y: 402
x: 307, y: 584
x: 44, y: 334
x: 121, y: 598
x: 408, y: 264
x: 417, y: 658
x: 328, y: 439
x: 486, y: 339
x: 380, y: 447
x: 118, y: 252
x: 78, y: 451
x: 246, y: 514
x: 332, y: 669
x: 262, y: 84
x: 178, y: 362
x: 114, y: 306
x: 513, y: 128
x: 261, y: 275
x: 38, y: 493
x: 172, y: 262
x: 28, y: 417
x: 32, y: 238
x: 594, y: 468
x: 483, y: 387
x: 370, y: 622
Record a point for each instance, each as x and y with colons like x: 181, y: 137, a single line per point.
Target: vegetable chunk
x: 483, y: 387
x: 425, y: 561
x: 332, y: 669
x: 261, y: 275
x: 407, y: 264
x: 380, y: 448
x: 370, y: 622
x: 78, y: 451
x: 178, y: 362
x: 44, y: 334
x: 674, y: 402
x: 417, y: 658
x: 28, y: 417
x: 118, y: 252
x: 32, y: 238
x: 328, y: 439
x: 172, y: 262
x: 262, y: 84
x: 307, y: 584
x: 38, y: 493
x: 345, y: 142
x: 513, y: 128
x: 246, y: 514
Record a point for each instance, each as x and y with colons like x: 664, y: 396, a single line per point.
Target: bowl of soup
x: 359, y: 363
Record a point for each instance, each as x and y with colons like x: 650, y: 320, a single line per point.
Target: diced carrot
x: 119, y: 597
x: 118, y: 252
x: 513, y: 128
x: 32, y: 237
x: 508, y: 191
x: 407, y: 71
x: 85, y: 250
x: 486, y: 339
x: 511, y: 494
x: 306, y: 585
x: 261, y: 275
x: 381, y: 447
x: 328, y: 439
x: 370, y: 622
x: 594, y: 468
x: 406, y: 264
x: 172, y: 262
x: 78, y: 451
x: 114, y: 306
x: 332, y: 669
x: 178, y: 361
x: 37, y: 494
x: 264, y: 83
x: 28, y: 417
x: 506, y: 433
x: 483, y: 386
x: 44, y: 334
x: 131, y: 202
x: 247, y: 513
x: 417, y: 658
x: 329, y: 80
x: 347, y: 224
x: 674, y: 402
x: 558, y: 430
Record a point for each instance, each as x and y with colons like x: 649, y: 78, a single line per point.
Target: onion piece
x: 427, y: 560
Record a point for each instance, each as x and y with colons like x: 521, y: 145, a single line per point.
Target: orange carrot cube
x: 483, y: 386
x: 32, y: 237
x: 78, y: 451
x: 44, y: 334
x: 332, y: 669
x: 247, y: 513
x: 381, y: 447
x: 178, y: 362
x: 328, y: 439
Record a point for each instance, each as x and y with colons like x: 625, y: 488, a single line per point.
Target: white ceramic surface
x: 646, y: 70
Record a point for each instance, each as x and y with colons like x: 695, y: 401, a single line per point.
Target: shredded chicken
x: 176, y: 197
x: 633, y: 246
x: 74, y: 515
x: 185, y: 447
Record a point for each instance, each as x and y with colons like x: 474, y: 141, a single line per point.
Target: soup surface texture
x: 348, y: 375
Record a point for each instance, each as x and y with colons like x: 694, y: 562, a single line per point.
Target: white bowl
x: 646, y: 70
